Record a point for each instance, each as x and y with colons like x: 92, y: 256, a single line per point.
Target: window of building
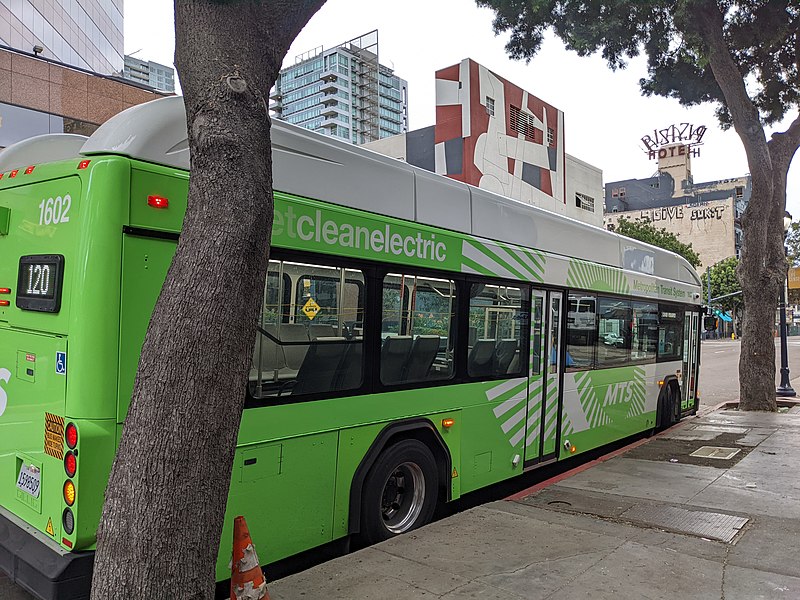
x: 490, y: 106
x: 417, y: 329
x: 551, y: 137
x: 613, y: 333
x: 670, y: 333
x: 523, y: 123
x: 614, y: 192
x: 311, y: 342
x: 581, y: 331
x: 583, y: 201
x: 497, y: 325
x: 622, y: 192
x: 739, y: 191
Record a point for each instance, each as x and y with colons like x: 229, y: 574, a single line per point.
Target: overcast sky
x: 605, y: 115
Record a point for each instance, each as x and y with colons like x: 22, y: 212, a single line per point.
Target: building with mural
x: 707, y: 215
x: 493, y: 134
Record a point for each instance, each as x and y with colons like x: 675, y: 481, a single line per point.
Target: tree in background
x: 165, y: 502
x: 723, y: 282
x: 644, y: 231
x: 793, y: 244
x: 704, y: 51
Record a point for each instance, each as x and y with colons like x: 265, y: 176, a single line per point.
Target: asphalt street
x: 719, y: 369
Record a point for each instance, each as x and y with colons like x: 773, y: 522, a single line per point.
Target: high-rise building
x: 156, y: 75
x: 343, y: 91
x: 86, y: 33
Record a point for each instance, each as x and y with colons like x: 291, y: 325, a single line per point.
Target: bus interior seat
x: 505, y: 352
x: 319, y: 330
x: 350, y: 371
x: 394, y: 355
x: 272, y: 360
x: 295, y: 354
x: 423, y: 352
x: 480, y: 361
x: 321, y: 366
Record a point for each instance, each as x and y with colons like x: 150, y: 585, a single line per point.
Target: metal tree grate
x: 715, y: 452
x: 711, y: 525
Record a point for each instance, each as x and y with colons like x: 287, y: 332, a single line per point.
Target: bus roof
x: 50, y: 147
x: 308, y: 164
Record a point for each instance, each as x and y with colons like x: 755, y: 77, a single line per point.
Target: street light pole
x: 785, y: 388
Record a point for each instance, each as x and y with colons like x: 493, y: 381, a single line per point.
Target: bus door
x: 544, y: 376
x: 691, y: 349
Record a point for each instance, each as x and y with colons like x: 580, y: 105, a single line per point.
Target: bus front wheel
x: 400, y: 491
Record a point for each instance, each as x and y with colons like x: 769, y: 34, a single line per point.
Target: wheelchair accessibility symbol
x: 61, y: 363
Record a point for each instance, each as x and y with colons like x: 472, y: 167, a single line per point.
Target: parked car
x: 613, y: 339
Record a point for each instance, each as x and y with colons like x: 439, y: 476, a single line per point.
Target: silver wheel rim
x: 403, y: 497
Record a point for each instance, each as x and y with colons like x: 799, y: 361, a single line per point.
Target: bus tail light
x: 71, y: 434
x: 5, y: 303
x: 29, y: 170
x: 68, y: 521
x: 448, y: 423
x: 158, y: 202
x: 69, y: 492
x: 70, y: 464
x: 13, y: 173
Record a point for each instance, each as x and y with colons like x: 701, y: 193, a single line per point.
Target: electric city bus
x: 412, y: 345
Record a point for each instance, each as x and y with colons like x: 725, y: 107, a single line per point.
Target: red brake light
x: 5, y: 303
x: 158, y: 201
x: 29, y: 170
x: 72, y: 435
x: 70, y: 464
x: 5, y: 290
x: 13, y: 173
x: 1, y: 175
x: 83, y: 164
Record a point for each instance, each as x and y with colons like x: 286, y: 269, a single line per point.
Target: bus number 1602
x: 54, y: 211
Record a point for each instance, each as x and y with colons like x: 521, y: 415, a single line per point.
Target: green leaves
x: 763, y: 36
x: 723, y: 281
x: 644, y: 231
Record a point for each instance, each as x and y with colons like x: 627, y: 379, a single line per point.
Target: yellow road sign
x: 311, y: 308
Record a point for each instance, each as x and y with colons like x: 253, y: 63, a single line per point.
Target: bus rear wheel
x: 400, y: 491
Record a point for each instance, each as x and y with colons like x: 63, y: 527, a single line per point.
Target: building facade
x: 343, y: 92
x: 39, y: 96
x: 147, y: 72
x: 82, y: 33
x: 492, y: 134
x: 707, y: 215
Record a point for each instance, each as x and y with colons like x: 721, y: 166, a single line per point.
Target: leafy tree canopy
x: 723, y: 281
x: 644, y: 231
x: 762, y: 36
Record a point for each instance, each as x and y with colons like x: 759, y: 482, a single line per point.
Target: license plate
x: 29, y: 480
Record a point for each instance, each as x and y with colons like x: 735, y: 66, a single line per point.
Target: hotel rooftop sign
x: 691, y: 136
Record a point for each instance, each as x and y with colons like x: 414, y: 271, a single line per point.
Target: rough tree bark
x: 762, y: 266
x: 162, y: 519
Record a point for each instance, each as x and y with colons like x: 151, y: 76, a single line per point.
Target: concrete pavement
x: 649, y: 522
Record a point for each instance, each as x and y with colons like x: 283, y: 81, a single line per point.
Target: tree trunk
x: 160, y: 530
x: 762, y: 267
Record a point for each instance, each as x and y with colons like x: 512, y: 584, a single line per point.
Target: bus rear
x: 48, y: 438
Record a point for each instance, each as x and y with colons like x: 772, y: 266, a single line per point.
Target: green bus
x: 419, y: 339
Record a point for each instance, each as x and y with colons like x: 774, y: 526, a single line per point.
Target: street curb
x: 781, y: 402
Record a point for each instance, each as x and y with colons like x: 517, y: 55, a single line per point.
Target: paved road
x: 719, y: 369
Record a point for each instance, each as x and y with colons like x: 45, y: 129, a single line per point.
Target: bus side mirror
x: 709, y: 323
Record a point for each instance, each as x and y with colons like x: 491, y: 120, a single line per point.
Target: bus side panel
x: 145, y: 262
x: 493, y: 431
x: 284, y: 489
x: 606, y: 405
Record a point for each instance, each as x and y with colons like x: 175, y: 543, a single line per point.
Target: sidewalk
x: 651, y: 522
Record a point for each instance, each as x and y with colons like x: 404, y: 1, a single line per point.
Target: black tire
x: 669, y: 411
x: 400, y: 491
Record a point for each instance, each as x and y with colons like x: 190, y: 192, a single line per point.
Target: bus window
x: 417, y: 325
x: 644, y: 330
x: 321, y: 350
x: 614, y: 333
x: 581, y: 331
x: 497, y: 326
x: 670, y: 333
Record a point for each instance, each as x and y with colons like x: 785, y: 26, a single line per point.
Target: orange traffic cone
x: 247, y: 580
